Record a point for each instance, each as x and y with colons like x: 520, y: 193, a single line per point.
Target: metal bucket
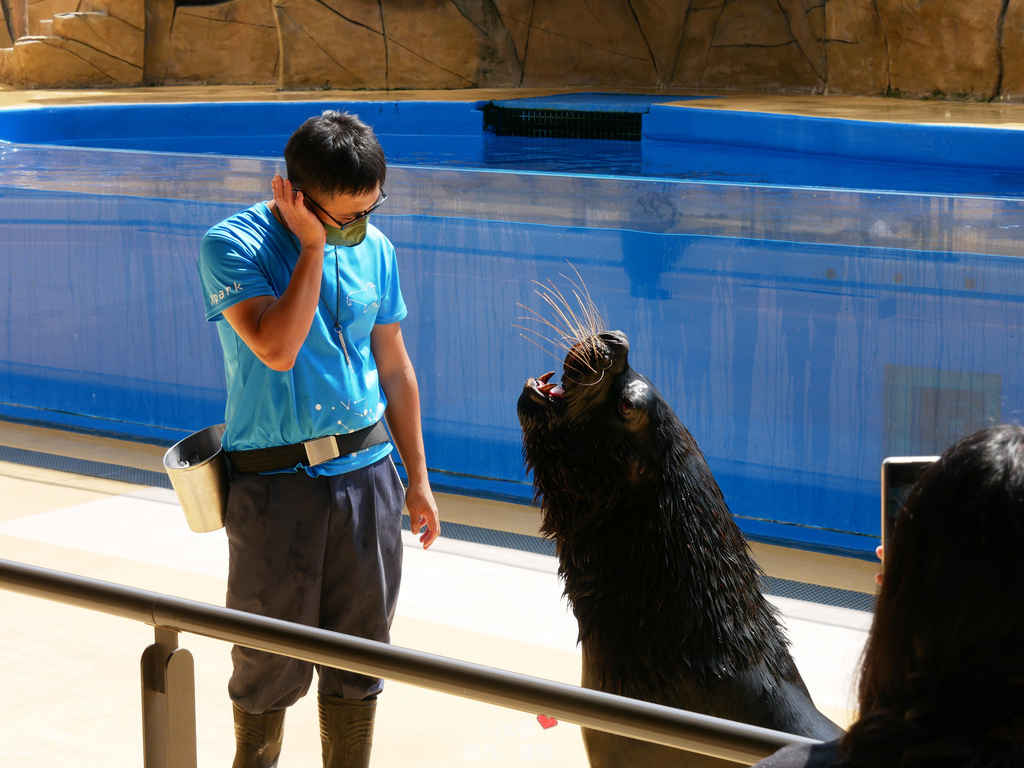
x: 199, y: 475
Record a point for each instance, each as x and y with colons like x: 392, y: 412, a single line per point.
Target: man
x: 306, y: 298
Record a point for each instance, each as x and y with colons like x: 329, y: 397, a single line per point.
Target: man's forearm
x: 403, y: 418
x: 285, y: 323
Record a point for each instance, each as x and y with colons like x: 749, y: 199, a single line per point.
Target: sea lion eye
x: 633, y: 398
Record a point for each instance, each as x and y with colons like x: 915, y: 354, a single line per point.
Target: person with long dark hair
x: 942, y: 675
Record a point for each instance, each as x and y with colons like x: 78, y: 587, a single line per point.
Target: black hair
x: 335, y: 153
x: 942, y: 677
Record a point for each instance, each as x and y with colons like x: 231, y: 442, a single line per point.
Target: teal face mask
x: 352, y: 233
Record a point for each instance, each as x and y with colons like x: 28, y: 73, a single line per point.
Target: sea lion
x: 661, y: 580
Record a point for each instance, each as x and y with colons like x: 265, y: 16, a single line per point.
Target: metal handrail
x: 588, y: 708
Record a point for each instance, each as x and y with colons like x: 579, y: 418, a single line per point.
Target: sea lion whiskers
x: 589, y: 307
x: 569, y: 350
x: 580, y: 328
x: 536, y: 316
x: 534, y: 342
x: 590, y: 325
x: 587, y: 333
x: 587, y: 383
x: 564, y: 337
x: 574, y: 329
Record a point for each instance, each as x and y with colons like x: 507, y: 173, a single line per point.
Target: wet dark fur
x: 660, y: 578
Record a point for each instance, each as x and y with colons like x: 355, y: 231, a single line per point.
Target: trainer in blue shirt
x: 306, y: 297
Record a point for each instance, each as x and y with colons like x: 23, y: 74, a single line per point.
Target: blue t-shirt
x: 252, y: 254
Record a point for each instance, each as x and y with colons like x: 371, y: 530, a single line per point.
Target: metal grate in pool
x: 795, y: 590
x: 471, y: 533
x: 84, y: 467
x: 562, y: 123
x: 813, y: 593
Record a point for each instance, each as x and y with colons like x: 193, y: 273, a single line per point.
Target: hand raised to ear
x: 301, y: 222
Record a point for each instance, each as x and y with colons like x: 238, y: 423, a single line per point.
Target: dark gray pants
x: 321, y: 551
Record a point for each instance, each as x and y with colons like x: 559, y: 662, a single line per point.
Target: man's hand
x: 423, y: 514
x: 398, y: 380
x: 302, y: 222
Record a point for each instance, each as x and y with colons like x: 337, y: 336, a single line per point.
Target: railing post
x: 168, y: 704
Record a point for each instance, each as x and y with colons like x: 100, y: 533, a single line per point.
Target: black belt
x: 309, y: 453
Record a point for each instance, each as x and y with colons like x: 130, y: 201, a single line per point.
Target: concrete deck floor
x: 71, y: 676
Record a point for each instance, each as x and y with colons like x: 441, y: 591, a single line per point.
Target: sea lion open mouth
x: 662, y: 583
x: 542, y: 391
x: 585, y: 366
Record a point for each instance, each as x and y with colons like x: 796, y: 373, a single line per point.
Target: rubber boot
x: 346, y: 731
x: 257, y: 738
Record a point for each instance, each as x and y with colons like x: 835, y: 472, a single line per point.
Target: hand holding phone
x: 899, y: 473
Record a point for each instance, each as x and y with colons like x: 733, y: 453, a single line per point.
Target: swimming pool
x: 802, y: 331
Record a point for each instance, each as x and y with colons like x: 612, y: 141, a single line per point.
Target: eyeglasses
x: 357, y: 219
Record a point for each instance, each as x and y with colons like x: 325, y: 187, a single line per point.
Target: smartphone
x: 899, y: 473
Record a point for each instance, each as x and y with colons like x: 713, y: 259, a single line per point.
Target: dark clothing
x: 824, y: 755
x: 321, y: 551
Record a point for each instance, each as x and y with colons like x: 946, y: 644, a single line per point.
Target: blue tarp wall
x: 801, y: 333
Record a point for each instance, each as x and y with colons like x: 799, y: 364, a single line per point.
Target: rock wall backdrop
x: 952, y: 48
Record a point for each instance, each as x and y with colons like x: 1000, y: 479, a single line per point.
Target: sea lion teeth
x: 552, y: 390
x: 537, y: 390
x: 543, y: 390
